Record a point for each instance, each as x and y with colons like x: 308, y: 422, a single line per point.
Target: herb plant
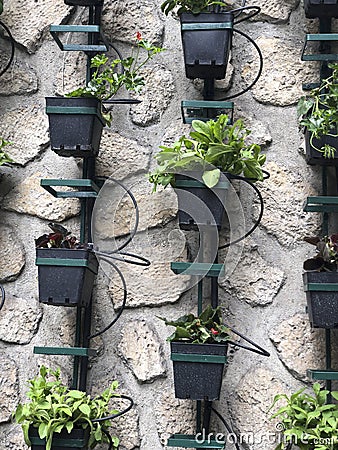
x: 203, y: 329
x: 326, y: 259
x: 214, y: 146
x: 318, y: 111
x: 308, y: 420
x: 192, y: 6
x: 4, y: 158
x: 53, y: 407
x: 106, y: 81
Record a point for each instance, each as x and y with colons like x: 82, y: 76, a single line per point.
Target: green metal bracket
x: 92, y: 29
x: 322, y: 374
x: 206, y: 26
x: 89, y: 188
x: 199, y: 269
x: 191, y: 441
x: 67, y: 351
x: 321, y: 204
x: 66, y: 262
x: 319, y: 56
x: 214, y: 359
x: 321, y: 287
x: 205, y: 110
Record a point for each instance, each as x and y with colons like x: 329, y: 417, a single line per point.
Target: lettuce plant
x: 307, y: 420
x: 214, y: 146
x: 191, y: 6
x: 53, y: 407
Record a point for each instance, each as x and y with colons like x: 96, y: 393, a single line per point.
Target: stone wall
x: 264, y: 298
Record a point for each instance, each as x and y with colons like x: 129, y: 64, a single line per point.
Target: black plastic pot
x: 66, y: 277
x: 321, y: 8
x: 75, y: 126
x: 191, y: 191
x: 77, y: 438
x: 322, y: 298
x: 314, y: 157
x: 196, y: 377
x: 207, y: 41
x: 84, y: 2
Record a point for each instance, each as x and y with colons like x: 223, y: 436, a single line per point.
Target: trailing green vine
x: 318, y: 112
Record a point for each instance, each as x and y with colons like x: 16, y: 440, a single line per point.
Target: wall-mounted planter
x: 314, y: 157
x: 321, y: 8
x: 190, y: 193
x: 322, y: 298
x: 207, y: 41
x: 84, y: 2
x: 77, y: 439
x: 198, y: 370
x: 75, y: 125
x: 66, y: 276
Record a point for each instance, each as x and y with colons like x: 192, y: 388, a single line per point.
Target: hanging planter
x: 47, y: 426
x: 66, y: 276
x: 321, y: 8
x: 77, y: 439
x: 199, y: 347
x: 199, y: 205
x: 194, y: 165
x: 66, y: 269
x: 207, y: 42
x: 198, y: 370
x: 321, y: 282
x: 75, y: 125
x: 321, y: 294
x: 317, y: 112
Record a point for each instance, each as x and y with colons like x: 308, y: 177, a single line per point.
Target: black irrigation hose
x: 256, y: 11
x: 259, y: 71
x: 3, y: 296
x: 12, y: 45
x: 137, y: 213
x: 229, y: 430
x: 110, y: 441
x: 255, y: 225
x: 142, y: 261
x: 121, y: 309
x: 113, y: 416
x: 258, y: 349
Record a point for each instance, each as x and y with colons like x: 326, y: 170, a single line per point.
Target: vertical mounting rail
x: 84, y: 315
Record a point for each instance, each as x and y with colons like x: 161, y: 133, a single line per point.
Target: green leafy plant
x: 1, y: 6
x: 4, y: 158
x: 53, y: 407
x: 326, y: 259
x: 214, y: 146
x: 308, y: 421
x: 106, y: 81
x: 193, y: 6
x: 203, y: 329
x: 318, y: 111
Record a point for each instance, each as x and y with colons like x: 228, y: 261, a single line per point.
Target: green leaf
x: 211, y: 177
x: 85, y: 409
